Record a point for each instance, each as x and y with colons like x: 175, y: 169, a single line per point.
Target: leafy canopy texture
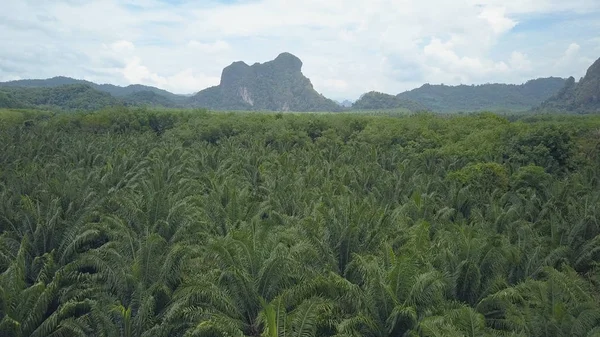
x: 128, y: 222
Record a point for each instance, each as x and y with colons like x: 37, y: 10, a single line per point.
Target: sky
x: 348, y: 47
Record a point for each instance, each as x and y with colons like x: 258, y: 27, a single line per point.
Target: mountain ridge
x: 374, y: 100
x: 280, y: 85
x: 276, y: 85
x: 490, y: 96
x: 64, y: 97
x: 578, y: 97
x: 113, y: 89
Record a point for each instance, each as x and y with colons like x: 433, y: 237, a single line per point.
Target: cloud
x: 208, y: 47
x: 572, y: 50
x: 519, y: 61
x: 331, y: 83
x: 496, y: 18
x: 9, y: 78
x: 135, y: 72
x: 348, y: 47
x: 122, y: 46
x: 444, y: 63
x: 570, y: 57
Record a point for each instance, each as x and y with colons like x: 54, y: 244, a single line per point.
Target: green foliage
x: 68, y: 97
x: 548, y: 147
x: 135, y: 93
x: 531, y: 176
x: 131, y: 222
x: 482, y: 176
x: 7, y: 100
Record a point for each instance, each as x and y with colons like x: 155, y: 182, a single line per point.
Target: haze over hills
x: 277, y: 85
x: 376, y: 100
x: 28, y: 92
x: 579, y: 97
x: 444, y: 98
x: 115, y: 90
x: 345, y: 103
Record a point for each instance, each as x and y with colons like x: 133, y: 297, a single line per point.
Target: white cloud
x: 122, y: 46
x: 9, y: 78
x: 348, y: 46
x: 519, y: 61
x: 572, y: 50
x: 570, y: 58
x: 496, y: 17
x: 442, y: 61
x: 208, y: 47
x: 135, y: 72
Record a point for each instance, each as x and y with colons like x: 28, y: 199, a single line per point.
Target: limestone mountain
x: 582, y: 97
x: 277, y: 85
x: 492, y: 97
x: 376, y: 100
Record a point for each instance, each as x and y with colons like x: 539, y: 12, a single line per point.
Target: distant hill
x: 8, y: 100
x: 65, y: 97
x: 115, y: 90
x: 345, y: 103
x: 494, y: 97
x: 582, y: 97
x: 150, y: 98
x: 377, y: 100
x: 277, y: 85
x: 45, y: 83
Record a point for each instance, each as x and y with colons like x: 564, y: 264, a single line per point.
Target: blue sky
x: 348, y: 47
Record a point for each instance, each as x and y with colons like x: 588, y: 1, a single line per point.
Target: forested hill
x: 495, y: 97
x: 77, y: 97
x: 151, y: 98
x: 115, y: 90
x: 377, y: 100
x: 64, y: 97
x: 582, y: 97
x: 277, y: 85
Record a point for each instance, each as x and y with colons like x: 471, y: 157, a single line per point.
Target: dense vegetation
x: 77, y: 97
x: 130, y: 222
x: 66, y: 97
x: 485, y: 97
x: 114, y: 90
x: 149, y: 98
x: 277, y: 85
x: 377, y: 100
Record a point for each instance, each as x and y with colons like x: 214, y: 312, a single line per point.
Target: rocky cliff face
x: 579, y: 97
x: 277, y: 85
